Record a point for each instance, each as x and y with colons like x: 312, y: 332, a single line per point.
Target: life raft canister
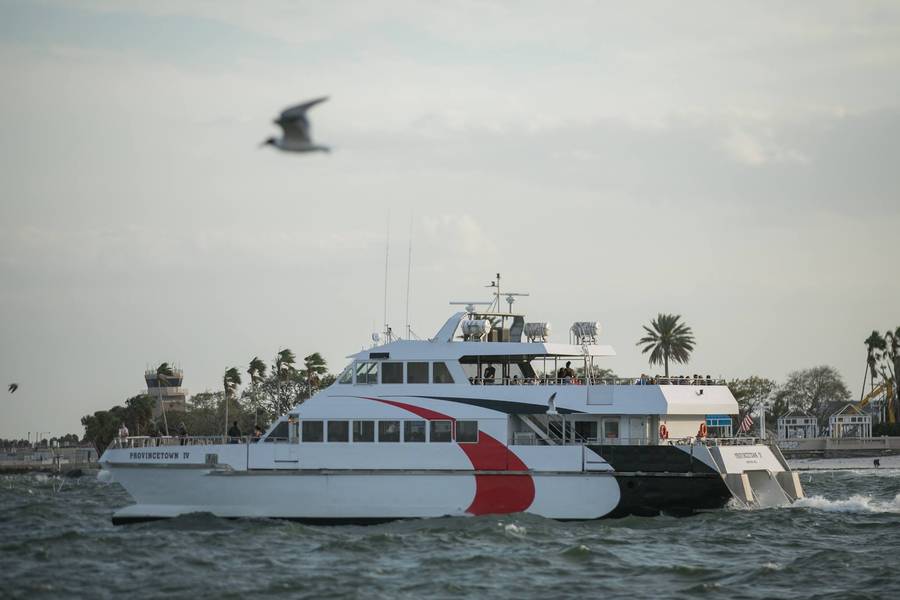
x: 663, y: 431
x: 701, y: 433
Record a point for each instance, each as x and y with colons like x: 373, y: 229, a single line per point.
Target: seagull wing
x: 294, y: 123
x: 13, y: 387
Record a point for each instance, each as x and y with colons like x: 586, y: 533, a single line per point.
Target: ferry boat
x: 487, y: 417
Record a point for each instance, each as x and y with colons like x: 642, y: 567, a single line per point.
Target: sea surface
x: 843, y: 541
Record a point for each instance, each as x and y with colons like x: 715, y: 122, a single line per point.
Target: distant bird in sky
x: 295, y: 130
x: 13, y: 387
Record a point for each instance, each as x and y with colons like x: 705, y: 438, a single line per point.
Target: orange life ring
x: 702, y: 431
x: 663, y: 431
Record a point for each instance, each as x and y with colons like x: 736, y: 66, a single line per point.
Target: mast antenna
x: 408, y: 276
x: 387, y: 251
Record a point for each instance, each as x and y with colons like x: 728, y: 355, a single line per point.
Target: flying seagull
x: 295, y: 130
x: 13, y: 387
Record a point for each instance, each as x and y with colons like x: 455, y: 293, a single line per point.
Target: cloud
x: 760, y: 149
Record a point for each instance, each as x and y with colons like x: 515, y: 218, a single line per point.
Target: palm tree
x: 314, y: 365
x: 284, y: 369
x: 284, y: 364
x: 257, y: 372
x: 892, y: 344
x: 874, y: 344
x: 667, y: 339
x: 230, y: 381
x: 163, y: 372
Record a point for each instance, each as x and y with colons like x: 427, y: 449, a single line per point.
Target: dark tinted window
x: 466, y: 431
x: 279, y: 433
x: 363, y: 431
x: 440, y: 373
x: 338, y: 431
x: 586, y: 430
x: 388, y: 431
x: 414, y: 431
x: 391, y: 372
x: 367, y: 372
x: 440, y: 431
x: 312, y: 431
x: 417, y: 372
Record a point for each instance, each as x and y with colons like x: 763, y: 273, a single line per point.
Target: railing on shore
x: 595, y: 381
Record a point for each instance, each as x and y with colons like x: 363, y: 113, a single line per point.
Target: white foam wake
x: 854, y: 504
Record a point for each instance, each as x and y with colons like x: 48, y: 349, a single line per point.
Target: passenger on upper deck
x: 489, y: 373
x: 567, y: 374
x: 234, y: 433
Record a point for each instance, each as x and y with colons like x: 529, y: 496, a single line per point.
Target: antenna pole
x: 387, y: 250
x: 408, y: 274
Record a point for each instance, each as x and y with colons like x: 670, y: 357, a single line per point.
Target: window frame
x: 417, y: 363
x: 434, y: 375
x: 370, y: 378
x: 304, y: 423
x: 353, y: 431
x: 407, y: 425
x: 393, y: 363
x: 456, y: 431
x: 399, y: 430
x: 328, y: 424
x: 431, y: 431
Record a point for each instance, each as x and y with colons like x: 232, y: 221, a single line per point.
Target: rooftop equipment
x: 475, y: 329
x: 585, y: 332
x: 537, y: 331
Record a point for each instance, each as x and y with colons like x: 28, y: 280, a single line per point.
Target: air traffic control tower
x: 167, y: 391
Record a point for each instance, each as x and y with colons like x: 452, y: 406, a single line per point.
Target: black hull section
x: 657, y: 480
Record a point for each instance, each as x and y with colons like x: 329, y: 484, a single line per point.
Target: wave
x: 854, y: 504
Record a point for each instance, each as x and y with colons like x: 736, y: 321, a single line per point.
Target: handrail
x: 146, y: 441
x: 593, y: 381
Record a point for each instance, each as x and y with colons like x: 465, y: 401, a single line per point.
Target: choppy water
x: 842, y: 542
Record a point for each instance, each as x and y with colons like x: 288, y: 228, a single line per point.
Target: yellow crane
x: 885, y: 389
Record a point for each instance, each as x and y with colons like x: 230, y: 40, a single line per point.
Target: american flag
x: 746, y: 423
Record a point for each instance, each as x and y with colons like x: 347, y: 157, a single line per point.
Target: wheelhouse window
x: 440, y: 431
x: 338, y: 431
x: 280, y: 433
x: 466, y: 432
x: 312, y: 431
x: 392, y: 372
x: 388, y: 431
x: 414, y: 431
x: 440, y: 373
x: 363, y: 431
x: 367, y: 373
x: 611, y: 429
x: 417, y: 372
x: 346, y: 376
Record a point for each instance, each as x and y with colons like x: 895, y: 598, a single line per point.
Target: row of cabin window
x: 388, y: 431
x: 392, y: 372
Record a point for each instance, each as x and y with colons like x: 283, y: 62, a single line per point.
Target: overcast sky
x: 733, y: 163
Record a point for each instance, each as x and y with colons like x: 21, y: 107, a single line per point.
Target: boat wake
x: 854, y: 504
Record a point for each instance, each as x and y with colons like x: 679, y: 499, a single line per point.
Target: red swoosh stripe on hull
x: 494, y: 494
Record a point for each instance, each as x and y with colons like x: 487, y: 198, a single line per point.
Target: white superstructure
x: 488, y: 416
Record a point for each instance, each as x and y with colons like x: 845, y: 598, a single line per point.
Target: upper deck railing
x: 595, y: 381
x: 145, y: 441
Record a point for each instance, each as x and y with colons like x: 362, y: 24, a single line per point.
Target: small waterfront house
x: 796, y: 424
x: 850, y: 422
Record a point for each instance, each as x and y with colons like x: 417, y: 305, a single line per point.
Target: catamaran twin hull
x: 590, y: 482
x: 476, y: 420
